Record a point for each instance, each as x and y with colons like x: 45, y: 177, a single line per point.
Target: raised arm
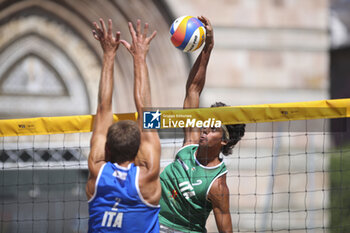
x: 149, y: 153
x: 104, y: 116
x: 196, y: 80
x: 219, y: 195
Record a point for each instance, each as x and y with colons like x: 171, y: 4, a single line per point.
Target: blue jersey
x: 117, y: 204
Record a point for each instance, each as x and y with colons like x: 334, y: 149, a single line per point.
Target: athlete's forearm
x: 104, y: 114
x: 105, y: 92
x: 226, y: 226
x: 142, y: 90
x: 196, y: 78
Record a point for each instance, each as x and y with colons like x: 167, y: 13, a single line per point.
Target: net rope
x: 283, y: 176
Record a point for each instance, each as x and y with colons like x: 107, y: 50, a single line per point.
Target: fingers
x: 204, y: 20
x: 103, y: 26
x: 117, y: 36
x: 132, y: 31
x: 102, y: 34
x: 137, y: 34
x: 97, y: 32
x: 94, y: 33
x: 152, y: 36
x: 109, y: 27
x: 126, y: 45
x: 138, y: 27
x: 201, y: 19
x: 145, y: 30
x: 105, y: 35
x: 98, y: 29
x: 96, y: 26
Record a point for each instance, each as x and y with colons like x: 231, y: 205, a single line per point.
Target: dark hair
x: 123, y: 141
x: 235, y: 131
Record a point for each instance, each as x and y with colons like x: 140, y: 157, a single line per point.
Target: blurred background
x: 266, y: 51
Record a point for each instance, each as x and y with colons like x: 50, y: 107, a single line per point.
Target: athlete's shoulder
x: 188, y: 148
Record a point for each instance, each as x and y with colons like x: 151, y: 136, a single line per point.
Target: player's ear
x: 224, y: 142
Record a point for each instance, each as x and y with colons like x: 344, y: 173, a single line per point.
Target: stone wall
x: 269, y: 51
x: 53, y: 39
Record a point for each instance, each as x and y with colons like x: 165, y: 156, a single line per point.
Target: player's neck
x: 207, y: 157
x: 125, y: 164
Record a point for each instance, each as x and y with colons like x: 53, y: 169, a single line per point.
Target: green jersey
x: 185, y: 185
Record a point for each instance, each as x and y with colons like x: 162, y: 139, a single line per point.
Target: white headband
x: 227, y: 135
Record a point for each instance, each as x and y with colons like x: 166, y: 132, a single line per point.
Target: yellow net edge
x: 323, y: 109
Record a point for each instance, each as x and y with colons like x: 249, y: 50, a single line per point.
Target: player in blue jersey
x: 123, y: 187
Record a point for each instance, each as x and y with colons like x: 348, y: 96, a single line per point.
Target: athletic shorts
x: 165, y: 229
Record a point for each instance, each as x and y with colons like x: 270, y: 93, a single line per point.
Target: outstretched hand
x: 140, y: 41
x: 209, y: 30
x: 108, y: 42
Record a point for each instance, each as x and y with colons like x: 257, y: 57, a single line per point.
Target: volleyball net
x: 285, y: 175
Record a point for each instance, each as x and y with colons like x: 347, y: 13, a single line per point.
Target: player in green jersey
x: 195, y: 183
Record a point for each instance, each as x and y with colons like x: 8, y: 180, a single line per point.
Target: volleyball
x: 187, y: 33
